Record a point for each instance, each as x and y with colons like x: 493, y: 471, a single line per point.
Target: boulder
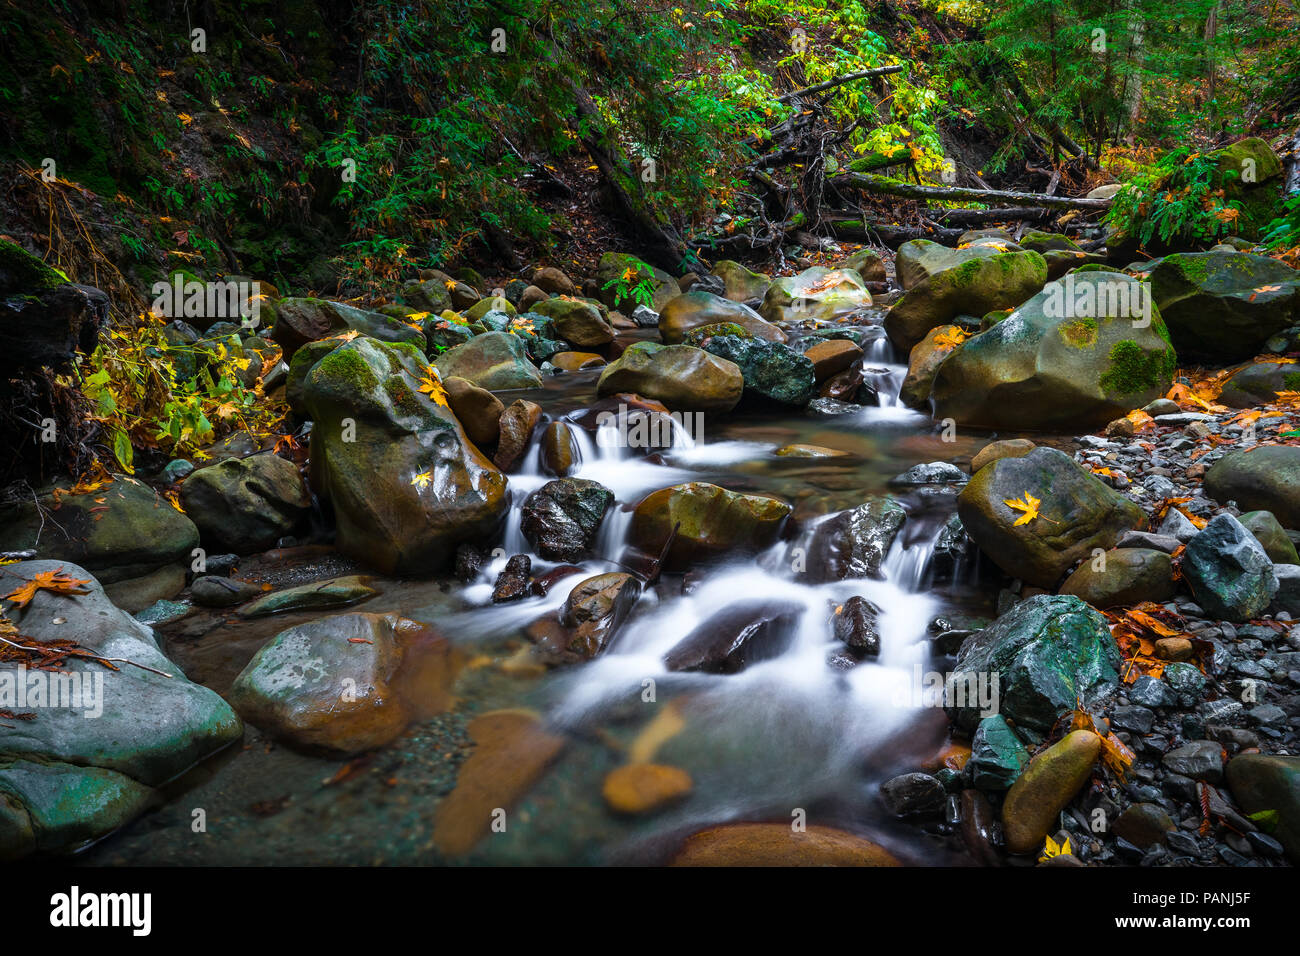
x: 923, y: 364
x: 1046, y: 787
x: 81, y: 770
x: 132, y: 531
x: 496, y: 361
x: 1259, y: 383
x: 1268, y: 531
x: 714, y: 523
x: 1223, y: 306
x: 816, y: 294
x: 1228, y: 571
x: 478, y: 411
x: 741, y: 284
x: 561, y: 518
x: 853, y: 543
x: 243, y: 505
x: 44, y: 318
x: 974, y: 287
x: 919, y: 259
x: 771, y: 370
x: 595, y: 609
x: 693, y: 310
x: 831, y: 356
x: 1264, y: 478
x: 517, y: 424
x: 1051, y: 653
x: 866, y: 263
x: 406, y: 483
x: 1123, y: 576
x: 577, y: 321
x: 300, y: 320
x: 560, y: 454
x: 1077, y: 513
x: 1005, y: 448
x: 553, y: 280
x: 1044, y: 368
x: 346, y: 683
x: 682, y: 377
x: 743, y: 633
x: 1262, y: 782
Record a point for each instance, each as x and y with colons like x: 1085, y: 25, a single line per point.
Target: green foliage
x: 1284, y: 231
x: 641, y: 291
x: 1181, y: 202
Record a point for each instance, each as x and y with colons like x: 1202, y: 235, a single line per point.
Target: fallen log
x: 840, y: 81
x: 974, y: 216
x: 894, y: 187
x: 891, y: 236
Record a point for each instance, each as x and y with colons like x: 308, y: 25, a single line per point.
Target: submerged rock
x: 346, y: 683
x: 319, y: 595
x: 642, y: 788
x: 776, y: 844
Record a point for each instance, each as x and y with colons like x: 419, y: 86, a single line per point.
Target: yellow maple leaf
x: 1051, y: 849
x: 58, y: 581
x: 422, y: 480
x: 432, y: 387
x: 1029, y: 506
x: 950, y: 338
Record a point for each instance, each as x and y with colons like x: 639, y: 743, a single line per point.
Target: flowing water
x: 797, y: 733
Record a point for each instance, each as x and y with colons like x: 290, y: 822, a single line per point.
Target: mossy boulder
x: 693, y: 310
x: 741, y: 283
x: 1264, y: 478
x: 1250, y: 173
x: 496, y: 361
x: 1259, y: 383
x: 1051, y: 653
x: 1061, y: 253
x: 44, y: 318
x: 1123, y: 576
x: 975, y: 286
x: 866, y: 263
x: 77, y: 773
x: 1223, y: 306
x: 682, y: 377
x: 713, y: 523
x: 406, y: 484
x: 919, y: 259
x: 246, y: 504
x: 299, y: 321
x: 771, y: 370
x: 1077, y: 355
x: 122, y: 530
x: 1077, y: 513
x: 816, y: 294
